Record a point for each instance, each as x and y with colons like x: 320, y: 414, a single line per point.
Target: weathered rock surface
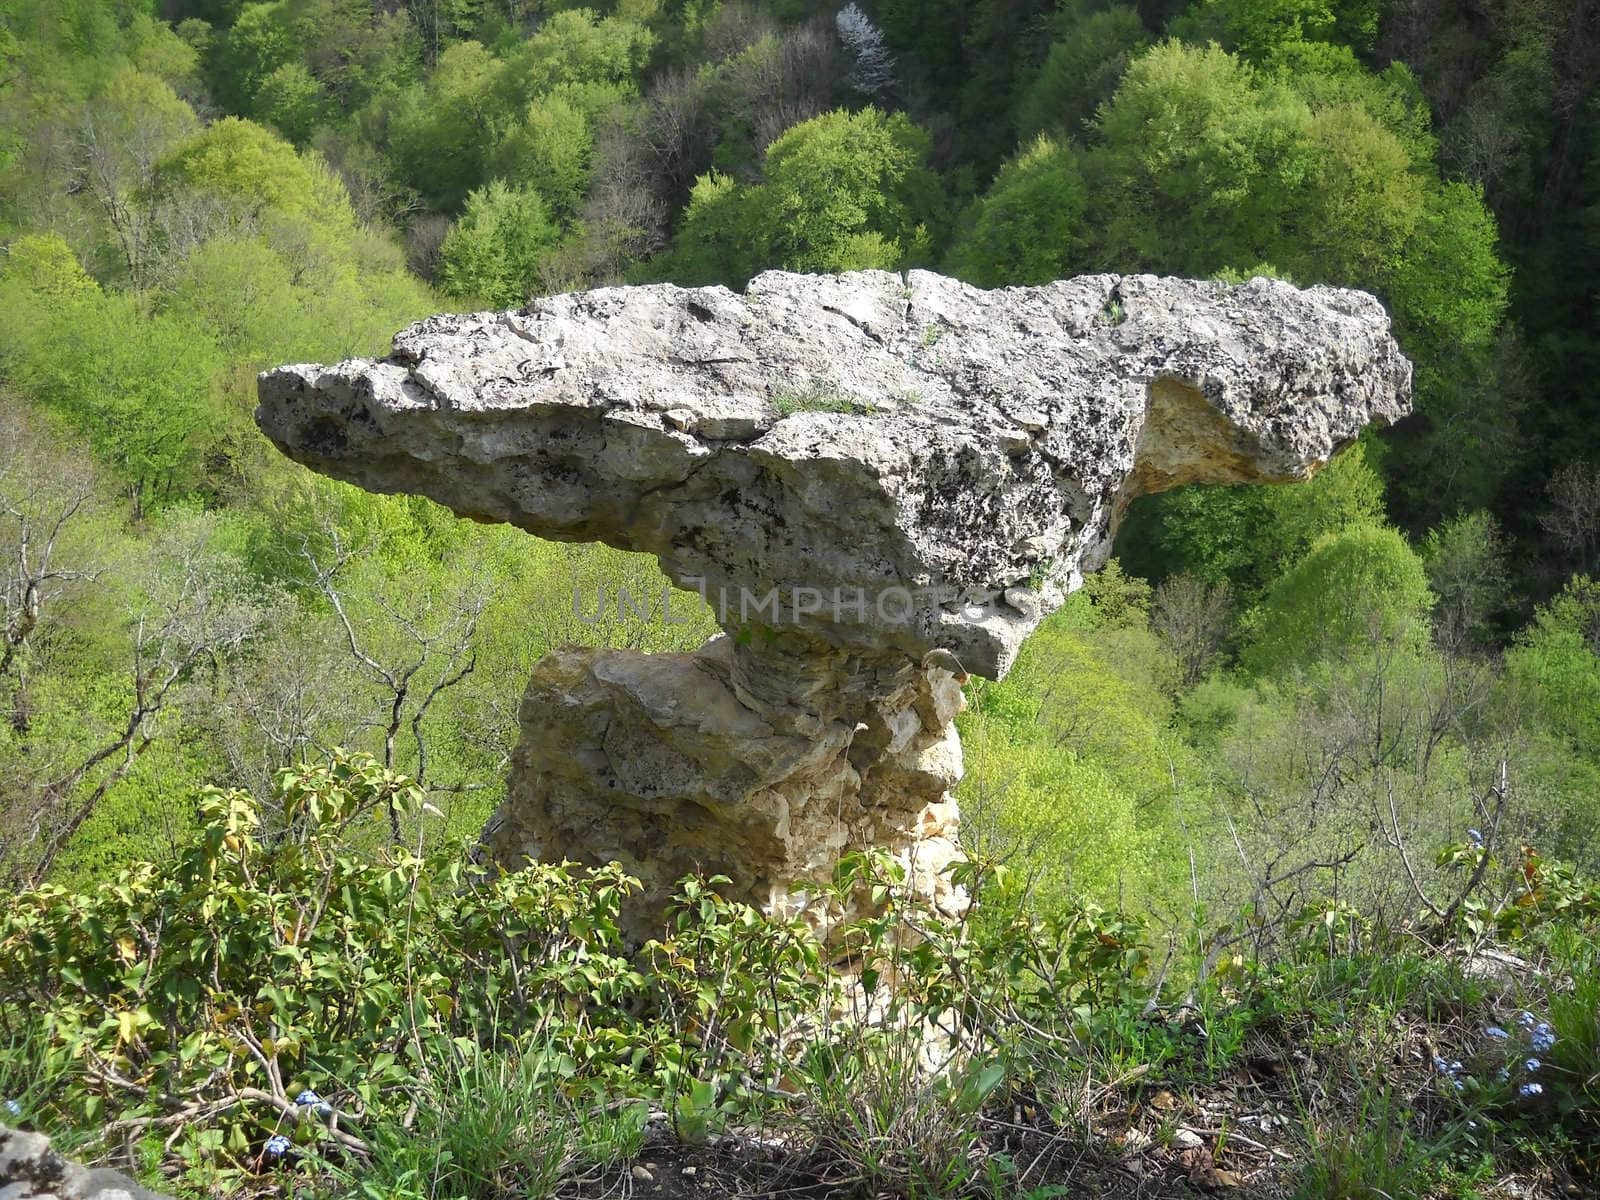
x: 665, y: 763
x: 31, y: 1170
x: 865, y: 474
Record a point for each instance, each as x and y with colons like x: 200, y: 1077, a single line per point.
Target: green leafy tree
x: 1263, y: 29
x: 1467, y: 571
x: 551, y: 148
x: 575, y: 46
x: 1030, y: 225
x: 291, y: 101
x: 1201, y: 162
x: 841, y: 192
x: 128, y: 126
x: 717, y: 243
x: 440, y: 134
x: 1080, y: 72
x: 257, y: 44
x: 1345, y: 494
x: 1353, y: 590
x: 140, y: 391
x: 1557, y: 661
x: 1247, y: 536
x: 253, y: 174
x: 493, y: 251
x: 240, y: 293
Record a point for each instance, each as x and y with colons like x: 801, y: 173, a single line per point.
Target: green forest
x: 1257, y: 804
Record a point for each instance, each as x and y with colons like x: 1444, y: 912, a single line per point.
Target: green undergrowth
x: 277, y: 1014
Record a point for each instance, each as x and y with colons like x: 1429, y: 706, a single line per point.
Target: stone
x: 881, y: 483
x: 31, y: 1170
x: 1186, y: 1139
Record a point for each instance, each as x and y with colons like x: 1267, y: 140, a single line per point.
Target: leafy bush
x: 492, y: 253
x: 202, y: 998
x: 1363, y: 587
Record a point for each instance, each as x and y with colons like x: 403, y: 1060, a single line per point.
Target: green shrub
x: 1361, y: 588
x: 201, y: 998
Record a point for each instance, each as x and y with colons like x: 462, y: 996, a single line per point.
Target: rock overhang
x: 906, y: 462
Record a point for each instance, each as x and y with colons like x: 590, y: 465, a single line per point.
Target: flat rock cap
x: 885, y: 462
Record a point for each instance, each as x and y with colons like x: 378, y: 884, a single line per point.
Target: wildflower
x: 1495, y: 1032
x: 1529, y: 1090
x: 12, y: 1107
x: 309, y: 1099
x: 1525, y: 1019
x: 1533, y: 1064
x: 1460, y: 1085
x: 1504, y: 1073
x: 1477, y: 837
x: 277, y: 1146
x: 1543, y: 1037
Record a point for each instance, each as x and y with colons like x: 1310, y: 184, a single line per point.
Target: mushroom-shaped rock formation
x: 879, y: 482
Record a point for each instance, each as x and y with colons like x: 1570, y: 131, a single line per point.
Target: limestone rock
x: 664, y: 763
x: 822, y: 434
x: 880, y: 483
x: 31, y: 1170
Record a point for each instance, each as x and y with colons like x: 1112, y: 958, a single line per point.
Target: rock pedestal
x: 667, y: 764
x: 879, y: 482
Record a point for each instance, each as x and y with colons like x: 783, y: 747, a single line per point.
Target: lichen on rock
x: 880, y: 482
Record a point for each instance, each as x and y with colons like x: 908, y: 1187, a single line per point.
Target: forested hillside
x: 1322, y: 724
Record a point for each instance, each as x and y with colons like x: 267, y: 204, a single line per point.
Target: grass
x: 28, y: 1082
x: 1368, y: 1155
x: 818, y: 397
x: 492, y: 1126
x: 877, y: 1118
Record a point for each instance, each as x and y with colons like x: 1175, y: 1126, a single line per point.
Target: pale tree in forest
x: 185, y: 608
x: 1192, y: 618
x: 286, y: 705
x: 412, y: 640
x: 126, y: 130
x: 1573, y: 517
x: 1466, y: 565
x: 45, y: 499
x: 872, y: 66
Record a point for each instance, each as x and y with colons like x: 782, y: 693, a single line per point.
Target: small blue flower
x: 1525, y: 1019
x: 1533, y: 1064
x: 1531, y: 1089
x: 1460, y: 1085
x: 309, y: 1099
x: 1495, y: 1032
x: 277, y: 1146
x: 14, y: 1108
x: 1476, y: 836
x: 1543, y: 1037
x: 1504, y: 1073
